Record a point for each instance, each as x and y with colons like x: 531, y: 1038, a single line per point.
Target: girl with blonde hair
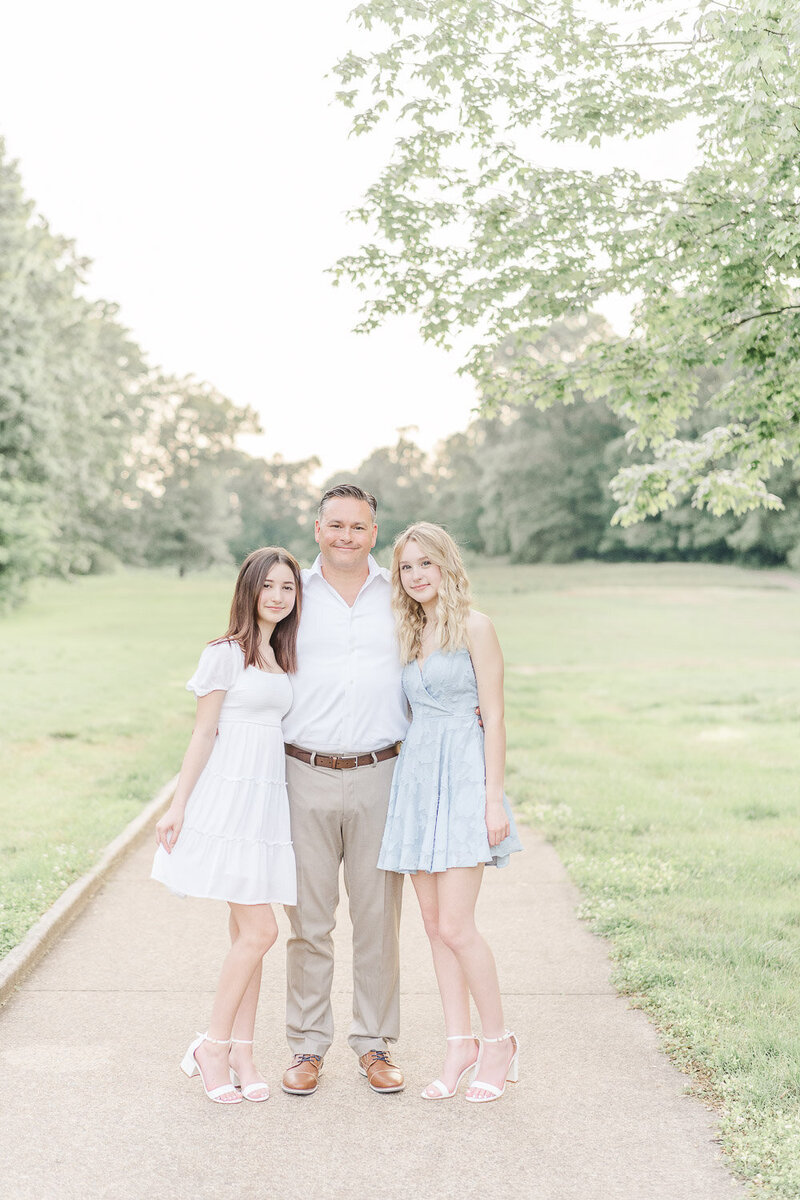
x: 448, y: 815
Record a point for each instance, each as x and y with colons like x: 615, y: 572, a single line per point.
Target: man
x: 343, y: 734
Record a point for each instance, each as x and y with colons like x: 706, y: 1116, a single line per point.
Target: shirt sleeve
x: 218, y: 669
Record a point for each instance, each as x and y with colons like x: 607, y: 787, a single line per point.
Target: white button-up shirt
x: 347, y: 691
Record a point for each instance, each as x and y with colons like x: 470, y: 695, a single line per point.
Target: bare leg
x: 457, y: 891
x: 452, y: 984
x: 256, y: 932
x: 244, y: 1023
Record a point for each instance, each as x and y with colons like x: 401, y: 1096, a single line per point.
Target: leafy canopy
x: 467, y: 230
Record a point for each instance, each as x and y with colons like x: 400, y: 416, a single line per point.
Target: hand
x: 168, y: 828
x: 480, y: 718
x: 497, y: 823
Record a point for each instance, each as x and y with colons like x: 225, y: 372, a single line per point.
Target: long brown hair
x: 243, y: 621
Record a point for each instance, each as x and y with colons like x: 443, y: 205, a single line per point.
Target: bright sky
x: 191, y: 150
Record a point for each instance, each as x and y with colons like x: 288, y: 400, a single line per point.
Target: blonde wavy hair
x: 452, y: 605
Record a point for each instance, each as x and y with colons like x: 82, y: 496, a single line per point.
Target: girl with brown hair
x: 226, y: 834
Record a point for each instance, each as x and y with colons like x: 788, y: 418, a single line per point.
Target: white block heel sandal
x: 512, y: 1072
x: 249, y: 1089
x: 443, y: 1093
x: 227, y: 1093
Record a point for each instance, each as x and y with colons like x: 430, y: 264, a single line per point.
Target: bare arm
x: 487, y: 659
x: 195, y: 758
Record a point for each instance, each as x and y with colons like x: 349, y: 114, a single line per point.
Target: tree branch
x: 770, y: 312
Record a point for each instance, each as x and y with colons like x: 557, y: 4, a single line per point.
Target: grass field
x: 94, y: 719
x: 653, y: 735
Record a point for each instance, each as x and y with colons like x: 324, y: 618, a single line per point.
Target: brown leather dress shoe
x: 383, y: 1075
x: 302, y: 1076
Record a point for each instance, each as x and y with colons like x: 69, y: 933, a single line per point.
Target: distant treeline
x: 105, y: 459
x: 533, y: 486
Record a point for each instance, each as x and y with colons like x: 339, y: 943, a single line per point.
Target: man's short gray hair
x: 349, y: 491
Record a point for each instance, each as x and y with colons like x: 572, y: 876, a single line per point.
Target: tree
x: 184, y: 463
x: 473, y: 235
x: 68, y: 371
x: 458, y: 494
x: 275, y: 502
x: 545, y: 485
x: 192, y: 522
x: 29, y: 267
x: 103, y: 457
x: 186, y: 421
x: 101, y: 420
x: 25, y: 537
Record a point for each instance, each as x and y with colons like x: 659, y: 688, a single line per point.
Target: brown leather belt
x: 339, y: 762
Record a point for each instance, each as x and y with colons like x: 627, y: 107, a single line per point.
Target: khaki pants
x: 338, y: 817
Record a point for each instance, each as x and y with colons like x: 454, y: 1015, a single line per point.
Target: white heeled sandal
x: 442, y: 1087
x: 512, y: 1072
x: 191, y: 1067
x: 248, y: 1090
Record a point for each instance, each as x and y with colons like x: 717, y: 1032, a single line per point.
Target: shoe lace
x: 383, y: 1055
x: 301, y: 1058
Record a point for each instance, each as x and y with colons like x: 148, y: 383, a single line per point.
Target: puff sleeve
x: 219, y: 667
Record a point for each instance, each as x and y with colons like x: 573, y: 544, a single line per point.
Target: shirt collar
x: 375, y: 571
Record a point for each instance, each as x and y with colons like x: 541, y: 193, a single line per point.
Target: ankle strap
x: 462, y: 1037
x: 215, y: 1041
x: 242, y: 1041
x: 504, y: 1038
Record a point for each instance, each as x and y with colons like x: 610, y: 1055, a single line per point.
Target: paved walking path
x: 93, y: 1104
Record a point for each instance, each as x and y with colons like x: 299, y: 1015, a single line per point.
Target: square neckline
x: 421, y: 662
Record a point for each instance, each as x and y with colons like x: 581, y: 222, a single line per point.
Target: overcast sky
x: 191, y: 150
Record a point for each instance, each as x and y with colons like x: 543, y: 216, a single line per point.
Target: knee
x: 258, y: 941
x: 431, y: 922
x: 455, y: 935
x: 268, y: 938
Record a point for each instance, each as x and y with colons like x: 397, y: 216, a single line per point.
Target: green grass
x: 93, y: 720
x: 653, y: 735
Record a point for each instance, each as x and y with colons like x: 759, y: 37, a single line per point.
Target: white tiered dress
x: 235, y: 843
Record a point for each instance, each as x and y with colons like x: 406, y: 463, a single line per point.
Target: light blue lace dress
x: 437, y: 808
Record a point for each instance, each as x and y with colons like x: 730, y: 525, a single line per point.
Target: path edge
x: 41, y: 936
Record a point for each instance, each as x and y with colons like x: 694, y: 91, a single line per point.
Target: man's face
x: 346, y: 533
